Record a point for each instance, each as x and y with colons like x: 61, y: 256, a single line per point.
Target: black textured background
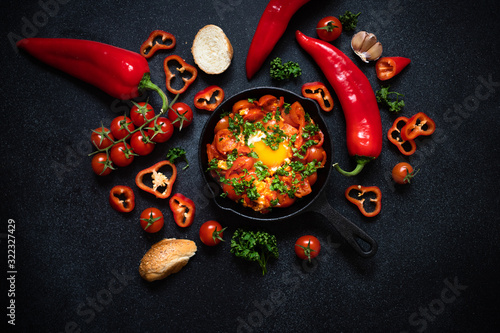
x: 77, y: 259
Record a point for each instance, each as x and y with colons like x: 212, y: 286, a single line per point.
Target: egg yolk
x: 271, y: 158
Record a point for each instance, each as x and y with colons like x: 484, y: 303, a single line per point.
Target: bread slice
x: 166, y: 257
x: 212, y: 51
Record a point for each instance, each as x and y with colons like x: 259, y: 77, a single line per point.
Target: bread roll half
x: 212, y: 51
x: 166, y: 257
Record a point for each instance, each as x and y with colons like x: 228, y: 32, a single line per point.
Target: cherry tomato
x: 152, y: 220
x: 180, y: 115
x: 141, y: 144
x: 307, y: 247
x: 402, y: 173
x: 121, y: 154
x: 211, y: 233
x: 329, y: 28
x: 162, y: 130
x: 101, y: 165
x: 119, y: 127
x: 141, y: 112
x: 99, y: 140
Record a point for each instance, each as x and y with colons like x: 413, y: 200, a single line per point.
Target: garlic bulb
x: 365, y: 45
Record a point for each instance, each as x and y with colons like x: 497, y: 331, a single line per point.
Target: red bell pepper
x: 161, y: 185
x: 203, y: 99
x: 118, y: 72
x: 406, y: 147
x: 318, y: 92
x: 271, y: 27
x: 388, y: 67
x: 183, y: 209
x: 419, y: 124
x: 358, y: 101
x: 122, y: 199
x: 151, y: 45
x: 359, y: 195
x: 184, y: 67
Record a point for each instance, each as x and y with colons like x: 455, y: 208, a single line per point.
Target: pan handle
x: 347, y: 229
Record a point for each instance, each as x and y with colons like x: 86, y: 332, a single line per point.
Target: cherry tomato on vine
x: 211, y: 233
x: 180, y: 115
x: 329, y: 28
x: 141, y: 112
x: 162, y: 130
x: 119, y: 127
x: 141, y: 144
x: 101, y: 138
x: 101, y: 165
x: 152, y: 220
x: 121, y: 154
x: 402, y: 173
x: 307, y: 247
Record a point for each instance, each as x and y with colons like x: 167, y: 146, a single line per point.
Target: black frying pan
x: 315, y: 201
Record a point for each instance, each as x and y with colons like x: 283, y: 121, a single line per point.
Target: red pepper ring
x: 358, y: 195
x: 184, y: 67
x: 161, y: 185
x: 406, y: 147
x: 318, y: 92
x: 209, y: 98
x: 419, y: 124
x: 152, y: 44
x: 122, y: 199
x: 183, y: 209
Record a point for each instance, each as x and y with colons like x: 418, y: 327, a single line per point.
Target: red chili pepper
x: 184, y: 67
x: 419, y: 124
x: 271, y: 27
x: 122, y: 198
x: 202, y: 99
x: 388, y: 67
x: 358, y: 101
x: 318, y: 92
x: 359, y: 195
x: 161, y: 185
x: 183, y: 209
x: 406, y: 147
x: 151, y: 45
x: 118, y: 72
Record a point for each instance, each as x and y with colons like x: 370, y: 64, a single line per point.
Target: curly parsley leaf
x: 349, y: 20
x: 385, y: 97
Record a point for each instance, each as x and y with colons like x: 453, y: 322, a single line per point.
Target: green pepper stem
x: 360, y: 160
x: 146, y: 83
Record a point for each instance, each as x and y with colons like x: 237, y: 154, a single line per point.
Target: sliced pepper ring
x: 183, y: 210
x: 183, y: 67
x: 209, y: 98
x: 406, y: 147
x: 152, y: 44
x: 161, y: 185
x: 318, y: 92
x: 358, y: 195
x: 122, y: 199
x: 419, y: 124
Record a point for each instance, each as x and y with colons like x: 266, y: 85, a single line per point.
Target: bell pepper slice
x: 183, y: 210
x: 388, y: 67
x: 209, y: 98
x: 183, y: 67
x: 419, y: 124
x: 406, y: 147
x: 365, y: 197
x: 122, y: 199
x: 152, y: 44
x: 161, y: 185
x: 318, y: 92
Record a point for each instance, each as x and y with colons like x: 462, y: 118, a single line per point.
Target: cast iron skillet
x: 315, y: 201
